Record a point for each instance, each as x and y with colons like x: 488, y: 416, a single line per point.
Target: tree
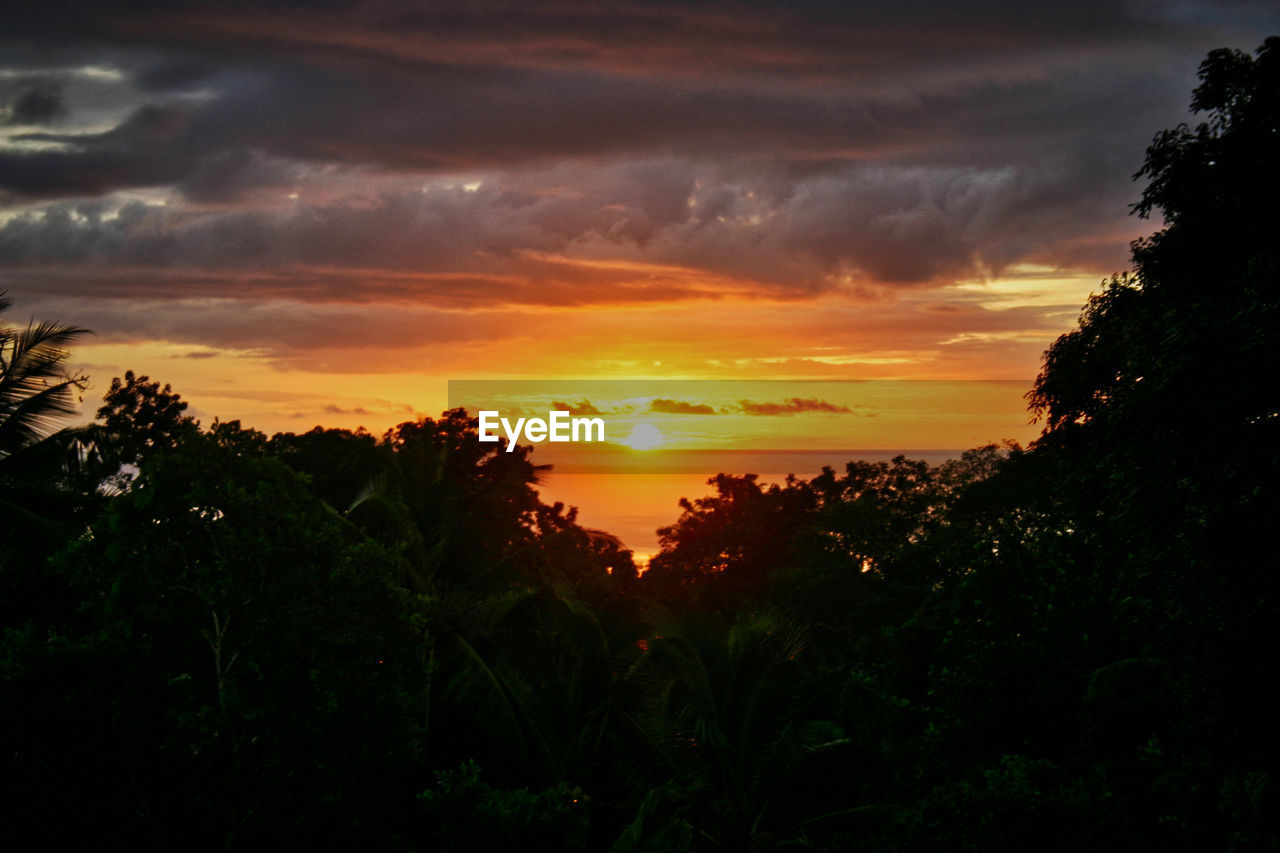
x: 1186, y: 342
x: 1162, y: 416
x: 730, y: 742
x: 41, y: 504
x: 242, y: 668
x: 728, y: 545
x: 36, y: 390
x: 139, y: 418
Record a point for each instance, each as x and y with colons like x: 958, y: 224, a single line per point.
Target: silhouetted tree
x: 36, y: 390
x: 241, y: 672
x: 724, y: 548
x: 1162, y: 413
x: 43, y: 500
x: 138, y: 418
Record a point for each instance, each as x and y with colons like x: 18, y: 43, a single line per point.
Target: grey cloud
x: 697, y: 232
x: 976, y: 88
x: 814, y: 38
x: 443, y: 121
x: 629, y: 152
x: 231, y: 327
x: 36, y: 100
x: 233, y: 175
x: 136, y: 153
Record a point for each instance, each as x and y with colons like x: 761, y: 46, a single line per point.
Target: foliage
x: 42, y: 492
x: 139, y: 418
x: 36, y: 390
x: 243, y: 632
x: 470, y: 815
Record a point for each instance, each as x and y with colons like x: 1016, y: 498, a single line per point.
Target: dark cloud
x: 135, y: 154
x: 459, y: 155
x: 35, y: 100
x: 283, y: 329
x: 447, y: 120
x: 576, y: 236
x: 235, y: 174
x: 492, y: 85
x: 793, y: 406
x: 679, y: 407
x: 581, y: 408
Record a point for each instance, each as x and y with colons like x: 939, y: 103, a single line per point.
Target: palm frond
x: 36, y: 390
x: 478, y: 687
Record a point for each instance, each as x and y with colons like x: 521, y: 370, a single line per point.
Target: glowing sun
x: 643, y: 437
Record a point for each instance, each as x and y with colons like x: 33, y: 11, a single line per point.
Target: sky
x: 320, y: 213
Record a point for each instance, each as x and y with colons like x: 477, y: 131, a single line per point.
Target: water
x: 633, y: 502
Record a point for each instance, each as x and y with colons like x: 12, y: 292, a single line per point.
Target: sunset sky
x: 319, y: 213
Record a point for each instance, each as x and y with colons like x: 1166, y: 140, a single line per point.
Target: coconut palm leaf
x: 475, y: 685
x: 36, y: 391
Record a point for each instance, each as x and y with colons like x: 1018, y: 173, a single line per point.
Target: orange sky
x: 995, y: 329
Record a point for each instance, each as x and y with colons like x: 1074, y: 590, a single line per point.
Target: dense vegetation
x: 216, y: 639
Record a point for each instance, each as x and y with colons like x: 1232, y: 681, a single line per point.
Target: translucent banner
x: 759, y: 426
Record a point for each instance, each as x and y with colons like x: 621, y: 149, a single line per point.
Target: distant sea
x: 634, y: 496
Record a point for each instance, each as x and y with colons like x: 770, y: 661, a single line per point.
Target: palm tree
x: 36, y: 390
x: 533, y: 670
x: 37, y: 506
x: 723, y: 718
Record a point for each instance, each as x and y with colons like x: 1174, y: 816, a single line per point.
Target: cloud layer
x: 455, y: 171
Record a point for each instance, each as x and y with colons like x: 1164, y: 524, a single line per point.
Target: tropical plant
x: 727, y: 731
x: 39, y: 503
x: 36, y: 389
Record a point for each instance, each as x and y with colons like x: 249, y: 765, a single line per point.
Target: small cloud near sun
x: 576, y: 409
x: 679, y: 407
x: 793, y: 406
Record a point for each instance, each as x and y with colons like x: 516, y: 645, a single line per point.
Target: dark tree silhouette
x: 36, y: 390
x: 43, y: 499
x: 139, y: 418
